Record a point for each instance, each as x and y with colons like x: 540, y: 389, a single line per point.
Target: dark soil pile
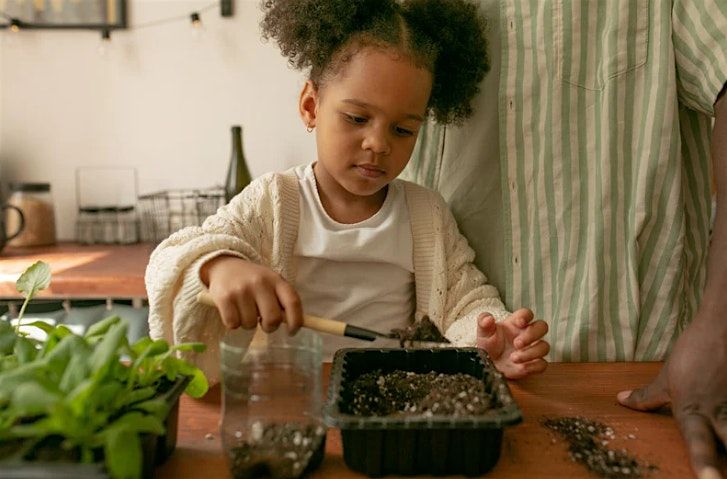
x: 588, y: 441
x: 423, y: 330
x: 278, y: 451
x: 407, y: 393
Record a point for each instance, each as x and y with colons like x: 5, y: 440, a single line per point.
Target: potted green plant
x: 89, y: 404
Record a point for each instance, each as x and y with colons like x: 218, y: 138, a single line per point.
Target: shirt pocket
x: 599, y: 40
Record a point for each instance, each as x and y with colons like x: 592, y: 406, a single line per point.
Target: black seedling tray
x: 410, y: 445
x: 155, y: 450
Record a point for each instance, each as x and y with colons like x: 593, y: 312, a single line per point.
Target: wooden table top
x: 528, y: 449
x: 80, y: 271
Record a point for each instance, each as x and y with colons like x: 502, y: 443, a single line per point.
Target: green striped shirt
x: 598, y: 218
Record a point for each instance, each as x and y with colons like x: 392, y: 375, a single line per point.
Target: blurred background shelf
x: 89, y: 283
x: 80, y: 271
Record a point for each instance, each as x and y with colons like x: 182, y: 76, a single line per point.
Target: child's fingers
x: 290, y: 301
x: 489, y: 337
x: 534, y: 331
x: 248, y: 314
x: 535, y: 351
x: 235, y: 309
x: 271, y: 314
x: 536, y: 366
x: 486, y: 326
x: 519, y: 371
x: 229, y: 314
x: 522, y: 317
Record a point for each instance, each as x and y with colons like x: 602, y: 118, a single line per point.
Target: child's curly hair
x: 447, y: 37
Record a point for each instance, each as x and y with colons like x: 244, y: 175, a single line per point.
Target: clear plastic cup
x: 272, y: 424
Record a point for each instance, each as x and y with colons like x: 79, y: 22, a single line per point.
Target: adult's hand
x: 694, y: 378
x: 694, y: 381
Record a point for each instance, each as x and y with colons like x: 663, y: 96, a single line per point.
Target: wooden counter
x: 80, y: 271
x: 528, y: 449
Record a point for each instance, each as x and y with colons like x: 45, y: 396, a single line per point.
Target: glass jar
x: 36, y: 203
x: 272, y: 424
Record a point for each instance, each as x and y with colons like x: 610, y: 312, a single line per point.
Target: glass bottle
x: 238, y: 175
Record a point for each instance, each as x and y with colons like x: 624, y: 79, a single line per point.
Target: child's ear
x: 308, y: 104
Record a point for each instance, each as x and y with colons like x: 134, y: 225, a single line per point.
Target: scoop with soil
x: 423, y: 330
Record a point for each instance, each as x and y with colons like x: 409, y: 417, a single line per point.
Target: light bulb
x: 197, y: 27
x: 105, y: 44
x: 12, y: 38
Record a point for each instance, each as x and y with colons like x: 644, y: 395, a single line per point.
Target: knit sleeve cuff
x: 198, y: 322
x: 463, y: 332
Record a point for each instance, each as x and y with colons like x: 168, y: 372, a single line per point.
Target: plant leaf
x: 122, y: 449
x: 39, y: 428
x: 30, y: 399
x: 45, y: 327
x: 76, y: 371
x: 157, y: 407
x: 25, y: 350
x: 9, y: 380
x: 58, y: 358
x: 140, y: 345
x: 198, y: 386
x: 100, y: 328
x: 33, y: 279
x: 135, y: 396
x: 105, y: 351
x: 138, y: 422
x: 196, y: 347
x: 7, y: 338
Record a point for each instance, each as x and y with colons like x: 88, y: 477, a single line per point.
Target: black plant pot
x: 432, y: 445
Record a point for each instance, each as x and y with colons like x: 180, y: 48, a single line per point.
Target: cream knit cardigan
x: 261, y: 225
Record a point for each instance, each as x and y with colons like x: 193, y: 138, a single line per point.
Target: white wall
x: 160, y: 100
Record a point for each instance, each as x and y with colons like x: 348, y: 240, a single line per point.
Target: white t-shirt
x: 360, y: 273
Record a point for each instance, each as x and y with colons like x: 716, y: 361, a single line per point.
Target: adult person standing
x: 583, y: 183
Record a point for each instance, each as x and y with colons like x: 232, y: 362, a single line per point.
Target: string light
x: 225, y: 6
x: 196, y: 21
x: 103, y: 47
x: 175, y: 19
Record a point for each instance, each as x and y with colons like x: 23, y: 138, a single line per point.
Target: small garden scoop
x: 324, y: 325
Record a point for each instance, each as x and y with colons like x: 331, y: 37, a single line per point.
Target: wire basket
x: 164, y: 212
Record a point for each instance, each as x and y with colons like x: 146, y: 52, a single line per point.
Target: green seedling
x: 97, y: 392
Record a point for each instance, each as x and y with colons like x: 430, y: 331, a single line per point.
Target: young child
x: 342, y: 237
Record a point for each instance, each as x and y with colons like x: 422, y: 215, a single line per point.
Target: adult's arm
x: 694, y: 378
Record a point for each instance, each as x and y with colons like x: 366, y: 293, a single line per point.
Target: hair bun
x: 458, y: 30
x: 445, y: 36
x: 310, y: 31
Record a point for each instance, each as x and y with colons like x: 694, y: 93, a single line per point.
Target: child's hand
x: 516, y: 345
x: 246, y: 293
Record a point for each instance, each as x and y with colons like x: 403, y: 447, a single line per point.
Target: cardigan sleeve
x: 467, y: 292
x: 243, y: 228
